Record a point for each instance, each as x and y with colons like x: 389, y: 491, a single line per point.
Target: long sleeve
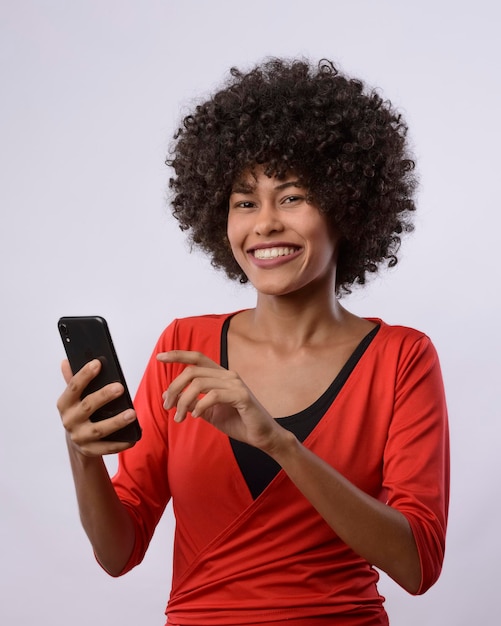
x: 416, y: 457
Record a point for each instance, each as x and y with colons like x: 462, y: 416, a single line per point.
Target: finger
x: 91, y: 432
x: 190, y: 374
x: 187, y: 357
x: 190, y: 397
x: 66, y: 370
x: 186, y: 402
x: 94, y: 401
x: 74, y: 410
x: 103, y: 448
x: 76, y: 383
x: 213, y: 398
x: 82, y: 378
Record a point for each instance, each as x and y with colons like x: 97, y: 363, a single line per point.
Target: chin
x: 276, y: 290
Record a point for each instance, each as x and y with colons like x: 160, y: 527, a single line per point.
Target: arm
x: 377, y: 532
x: 104, y: 518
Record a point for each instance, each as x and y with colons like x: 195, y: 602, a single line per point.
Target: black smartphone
x: 86, y: 338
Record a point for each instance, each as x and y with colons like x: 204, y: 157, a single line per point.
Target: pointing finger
x: 187, y: 357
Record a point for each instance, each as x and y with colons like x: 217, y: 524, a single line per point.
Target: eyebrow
x: 242, y: 187
x: 247, y: 188
x: 289, y: 183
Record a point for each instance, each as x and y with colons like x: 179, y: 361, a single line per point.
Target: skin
x: 106, y: 522
x: 296, y: 339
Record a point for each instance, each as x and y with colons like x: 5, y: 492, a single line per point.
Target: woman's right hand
x: 83, y: 435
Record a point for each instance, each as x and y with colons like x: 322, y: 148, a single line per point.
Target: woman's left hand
x: 219, y: 396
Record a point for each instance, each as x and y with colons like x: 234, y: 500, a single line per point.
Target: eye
x: 244, y: 204
x: 292, y: 199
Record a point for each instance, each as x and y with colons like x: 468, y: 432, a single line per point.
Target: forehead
x: 253, y: 178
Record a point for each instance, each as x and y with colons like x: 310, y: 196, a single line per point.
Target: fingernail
x: 129, y: 416
x: 167, y: 405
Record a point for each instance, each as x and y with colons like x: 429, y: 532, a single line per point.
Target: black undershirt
x: 259, y: 469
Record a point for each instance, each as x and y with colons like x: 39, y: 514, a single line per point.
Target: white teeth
x: 272, y: 253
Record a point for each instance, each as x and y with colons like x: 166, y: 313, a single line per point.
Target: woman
x: 302, y: 446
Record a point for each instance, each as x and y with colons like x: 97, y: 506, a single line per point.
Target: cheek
x: 325, y: 245
x: 230, y: 234
x: 236, y: 230
x: 234, y: 238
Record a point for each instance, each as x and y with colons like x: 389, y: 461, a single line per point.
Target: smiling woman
x: 272, y: 224
x: 303, y: 447
x: 346, y: 145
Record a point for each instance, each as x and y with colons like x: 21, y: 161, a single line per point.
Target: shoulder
x: 194, y: 332
x: 405, y: 347
x: 395, y: 334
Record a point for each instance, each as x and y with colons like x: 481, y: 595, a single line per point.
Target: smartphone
x: 86, y: 338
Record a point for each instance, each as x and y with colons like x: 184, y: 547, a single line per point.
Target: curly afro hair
x: 347, y: 145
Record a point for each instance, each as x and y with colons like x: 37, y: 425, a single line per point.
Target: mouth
x: 274, y: 252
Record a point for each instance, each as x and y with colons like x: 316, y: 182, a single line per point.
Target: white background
x: 90, y: 94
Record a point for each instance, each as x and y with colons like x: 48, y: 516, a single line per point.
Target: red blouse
x: 274, y: 559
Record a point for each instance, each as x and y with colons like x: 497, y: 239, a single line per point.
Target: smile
x: 273, y: 253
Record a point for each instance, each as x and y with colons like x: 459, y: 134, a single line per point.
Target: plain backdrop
x: 91, y: 92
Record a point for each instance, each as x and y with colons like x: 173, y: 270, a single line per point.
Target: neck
x: 295, y: 321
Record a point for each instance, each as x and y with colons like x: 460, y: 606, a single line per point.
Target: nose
x: 267, y: 220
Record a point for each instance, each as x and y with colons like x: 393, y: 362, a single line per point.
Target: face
x: 278, y: 237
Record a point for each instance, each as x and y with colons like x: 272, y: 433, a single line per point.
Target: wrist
x: 282, y: 445
x: 77, y: 456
